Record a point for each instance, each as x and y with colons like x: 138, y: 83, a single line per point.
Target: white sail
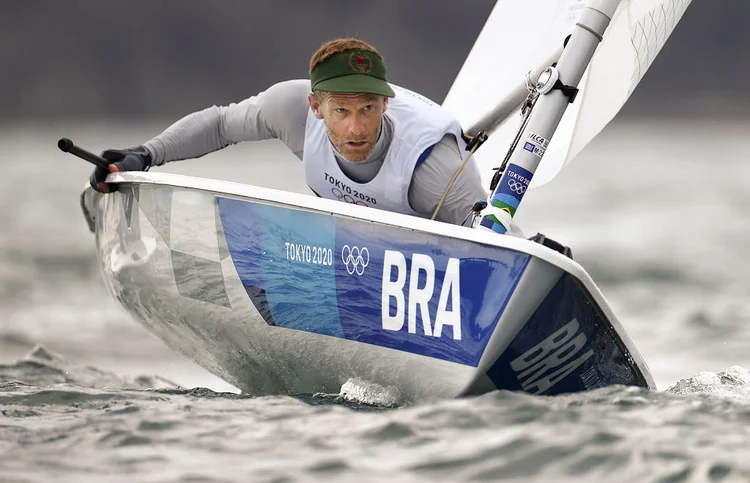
x: 637, y: 33
x: 515, y: 39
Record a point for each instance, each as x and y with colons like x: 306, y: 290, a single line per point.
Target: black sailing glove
x: 133, y: 159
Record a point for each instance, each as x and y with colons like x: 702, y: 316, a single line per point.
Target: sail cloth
x: 516, y: 38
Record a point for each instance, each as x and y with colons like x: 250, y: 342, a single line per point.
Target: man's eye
x: 369, y: 107
x: 340, y: 110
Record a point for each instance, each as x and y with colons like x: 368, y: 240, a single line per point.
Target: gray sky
x: 136, y: 58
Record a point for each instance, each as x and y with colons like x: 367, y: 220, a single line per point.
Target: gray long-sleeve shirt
x: 280, y: 112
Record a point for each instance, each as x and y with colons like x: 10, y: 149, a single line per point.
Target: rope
x: 526, y: 114
x: 453, y: 180
x: 526, y: 110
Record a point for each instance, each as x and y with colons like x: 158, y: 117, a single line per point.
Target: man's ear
x: 314, y: 106
x: 385, y: 103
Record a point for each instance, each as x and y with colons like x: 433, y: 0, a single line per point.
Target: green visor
x: 353, y: 71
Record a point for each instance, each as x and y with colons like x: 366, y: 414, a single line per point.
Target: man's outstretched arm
x: 279, y: 112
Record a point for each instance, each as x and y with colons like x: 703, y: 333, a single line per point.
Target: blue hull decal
x: 286, y: 289
x: 488, y: 276
x: 387, y: 286
x: 566, y: 346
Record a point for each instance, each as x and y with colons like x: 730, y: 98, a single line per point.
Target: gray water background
x: 657, y: 211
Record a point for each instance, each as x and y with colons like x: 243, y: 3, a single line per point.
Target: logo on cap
x: 360, y: 62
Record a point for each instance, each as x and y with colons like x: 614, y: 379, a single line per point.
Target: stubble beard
x: 361, y: 156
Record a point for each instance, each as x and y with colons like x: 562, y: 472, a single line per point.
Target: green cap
x: 352, y: 71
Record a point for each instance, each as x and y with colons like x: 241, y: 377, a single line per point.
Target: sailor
x: 361, y: 140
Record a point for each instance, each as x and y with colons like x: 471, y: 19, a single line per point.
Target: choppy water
x: 657, y: 212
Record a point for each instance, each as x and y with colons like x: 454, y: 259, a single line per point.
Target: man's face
x: 352, y: 121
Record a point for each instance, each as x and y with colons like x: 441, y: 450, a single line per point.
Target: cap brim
x: 356, y: 84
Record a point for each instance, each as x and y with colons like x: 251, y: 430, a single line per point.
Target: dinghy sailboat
x: 283, y: 293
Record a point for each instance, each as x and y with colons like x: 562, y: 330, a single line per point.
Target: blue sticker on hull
x: 395, y: 288
x: 291, y: 284
x: 566, y: 346
x: 434, y: 296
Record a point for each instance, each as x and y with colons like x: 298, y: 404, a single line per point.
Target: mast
x: 547, y: 113
x: 511, y: 102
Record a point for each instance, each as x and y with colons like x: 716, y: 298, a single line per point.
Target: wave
x: 42, y: 367
x: 732, y: 383
x: 77, y: 419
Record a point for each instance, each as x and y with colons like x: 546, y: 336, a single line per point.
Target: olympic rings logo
x: 346, y: 198
x: 355, y: 259
x: 516, y: 186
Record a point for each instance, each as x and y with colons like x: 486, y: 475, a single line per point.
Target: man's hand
x: 134, y: 159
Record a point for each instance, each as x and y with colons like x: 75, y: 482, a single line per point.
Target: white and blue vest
x: 418, y: 124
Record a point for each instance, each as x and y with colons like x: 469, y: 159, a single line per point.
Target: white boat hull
x: 279, y: 293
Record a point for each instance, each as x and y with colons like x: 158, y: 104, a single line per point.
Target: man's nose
x: 358, y: 127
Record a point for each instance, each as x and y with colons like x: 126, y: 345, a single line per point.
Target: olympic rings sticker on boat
x: 355, y: 259
x: 516, y: 186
